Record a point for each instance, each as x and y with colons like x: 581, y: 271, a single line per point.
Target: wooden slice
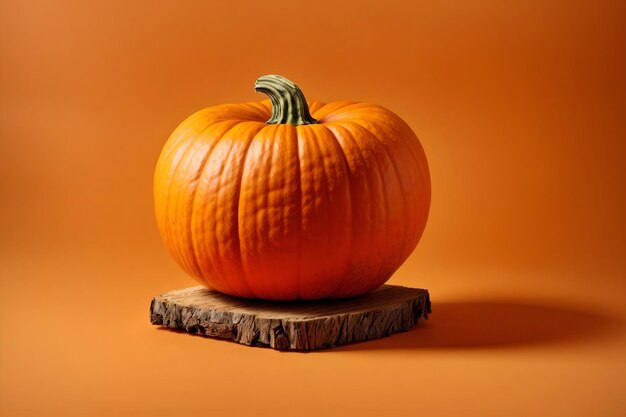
x: 302, y: 325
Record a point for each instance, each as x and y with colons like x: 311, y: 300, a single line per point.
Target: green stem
x: 288, y: 102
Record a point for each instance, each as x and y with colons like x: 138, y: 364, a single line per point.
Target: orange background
x: 520, y: 107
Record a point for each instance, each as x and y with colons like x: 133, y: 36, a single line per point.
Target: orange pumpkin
x: 319, y: 201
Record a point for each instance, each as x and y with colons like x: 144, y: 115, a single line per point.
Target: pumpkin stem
x: 288, y: 102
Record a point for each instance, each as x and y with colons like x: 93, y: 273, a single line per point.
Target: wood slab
x: 302, y: 325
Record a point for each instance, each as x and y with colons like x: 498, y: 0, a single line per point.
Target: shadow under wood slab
x: 302, y: 325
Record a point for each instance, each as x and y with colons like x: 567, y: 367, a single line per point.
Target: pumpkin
x: 286, y: 199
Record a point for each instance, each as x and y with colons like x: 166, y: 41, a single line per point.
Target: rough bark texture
x: 304, y: 325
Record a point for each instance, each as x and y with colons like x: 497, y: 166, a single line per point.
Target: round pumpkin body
x: 284, y: 211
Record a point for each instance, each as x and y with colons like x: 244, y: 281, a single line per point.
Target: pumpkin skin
x: 284, y: 211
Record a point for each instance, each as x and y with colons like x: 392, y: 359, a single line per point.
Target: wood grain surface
x: 303, y: 325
